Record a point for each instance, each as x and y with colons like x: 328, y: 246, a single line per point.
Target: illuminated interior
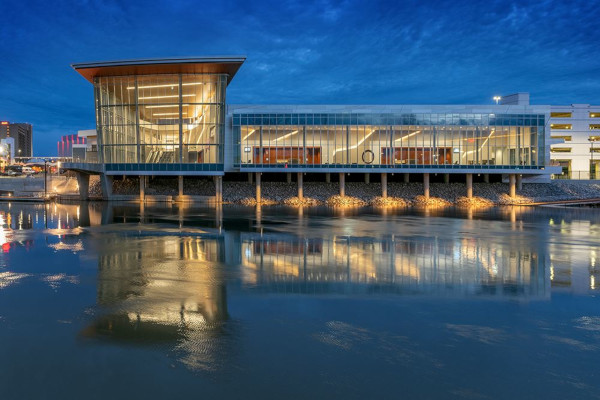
x: 161, y: 118
x: 431, y: 139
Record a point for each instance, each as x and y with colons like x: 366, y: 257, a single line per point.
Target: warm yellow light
x: 166, y: 96
x: 172, y: 113
x: 248, y: 135
x: 285, y: 136
x: 407, y: 136
x: 164, y: 106
x: 356, y: 145
x: 166, y: 85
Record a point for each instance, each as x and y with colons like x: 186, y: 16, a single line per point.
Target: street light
x: 497, y: 99
x: 592, y: 166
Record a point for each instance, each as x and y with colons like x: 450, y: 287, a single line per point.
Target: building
x: 575, y: 131
x: 170, y: 117
x: 67, y: 145
x: 22, y: 134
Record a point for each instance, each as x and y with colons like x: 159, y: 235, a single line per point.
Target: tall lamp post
x: 592, y: 166
x: 45, y: 178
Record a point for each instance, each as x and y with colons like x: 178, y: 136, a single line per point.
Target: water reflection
x: 391, y: 265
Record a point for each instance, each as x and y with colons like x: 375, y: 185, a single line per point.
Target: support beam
x: 106, y: 182
x: 469, y: 186
x: 328, y: 177
x: 219, y: 189
x: 83, y: 183
x: 426, y: 185
x: 289, y: 177
x: 180, y: 184
x: 367, y: 178
x: 446, y: 178
x: 486, y: 178
x: 519, y: 182
x: 384, y: 184
x: 406, y: 178
x: 512, y: 190
x: 300, y: 186
x: 258, y: 198
x: 142, y: 188
x: 342, y: 184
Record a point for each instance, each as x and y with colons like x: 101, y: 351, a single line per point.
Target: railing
x: 577, y: 175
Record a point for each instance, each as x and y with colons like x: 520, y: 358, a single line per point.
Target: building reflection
x: 164, y: 288
x: 391, y: 265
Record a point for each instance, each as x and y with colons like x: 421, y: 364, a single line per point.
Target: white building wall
x: 580, y: 133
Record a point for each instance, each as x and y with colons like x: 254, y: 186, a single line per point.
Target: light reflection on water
x: 188, y: 281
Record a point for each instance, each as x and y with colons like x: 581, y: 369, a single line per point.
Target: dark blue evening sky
x: 336, y: 52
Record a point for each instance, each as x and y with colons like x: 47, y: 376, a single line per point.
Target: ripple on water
x: 10, y: 278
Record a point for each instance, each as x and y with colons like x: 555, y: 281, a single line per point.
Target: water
x: 103, y: 301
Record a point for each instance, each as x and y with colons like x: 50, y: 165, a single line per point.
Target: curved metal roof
x: 190, y: 65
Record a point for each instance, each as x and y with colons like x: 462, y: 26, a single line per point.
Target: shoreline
x: 363, y: 194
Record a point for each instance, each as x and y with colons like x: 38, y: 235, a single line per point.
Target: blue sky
x: 321, y: 52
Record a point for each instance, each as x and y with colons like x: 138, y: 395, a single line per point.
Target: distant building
x: 575, y: 135
x: 67, y: 144
x: 22, y: 134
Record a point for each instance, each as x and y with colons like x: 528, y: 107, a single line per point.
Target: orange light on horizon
x: 4, y: 123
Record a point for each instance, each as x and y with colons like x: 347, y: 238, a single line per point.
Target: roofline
x: 167, y: 60
x: 228, y: 65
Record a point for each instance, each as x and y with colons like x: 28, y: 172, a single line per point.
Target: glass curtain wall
x: 389, y: 140
x: 162, y: 119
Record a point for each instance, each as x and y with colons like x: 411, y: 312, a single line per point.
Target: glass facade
x: 389, y: 140
x: 161, y: 119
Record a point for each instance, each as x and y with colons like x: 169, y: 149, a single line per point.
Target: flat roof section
x: 189, y: 65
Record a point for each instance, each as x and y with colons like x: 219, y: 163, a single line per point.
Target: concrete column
x: 469, y: 186
x: 219, y: 189
x: 512, y: 191
x: 406, y: 178
x: 180, y: 182
x: 250, y: 175
x: 384, y: 184
x: 258, y: 198
x: 519, y: 182
x: 426, y: 185
x: 300, y: 186
x: 106, y: 186
x: 446, y: 178
x: 367, y: 178
x: 342, y: 184
x: 328, y: 177
x: 142, y: 188
x: 83, y: 182
x: 289, y: 177
x: 486, y: 178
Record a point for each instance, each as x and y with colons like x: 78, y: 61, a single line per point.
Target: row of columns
x: 515, y: 183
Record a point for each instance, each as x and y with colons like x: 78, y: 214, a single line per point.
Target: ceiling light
x: 167, y: 85
x: 166, y: 97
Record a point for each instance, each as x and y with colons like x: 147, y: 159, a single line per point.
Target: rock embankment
x: 407, y: 194
x: 360, y: 194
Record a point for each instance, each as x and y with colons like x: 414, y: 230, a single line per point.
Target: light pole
x: 497, y: 99
x: 45, y: 178
x: 592, y: 166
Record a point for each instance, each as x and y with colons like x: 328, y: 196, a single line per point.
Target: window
x: 595, y: 114
x: 594, y: 127
x: 561, y: 126
x: 565, y: 138
x: 561, y: 114
x: 561, y: 150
